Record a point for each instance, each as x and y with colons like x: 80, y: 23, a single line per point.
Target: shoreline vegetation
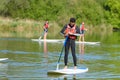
x: 25, y: 18
x: 26, y: 28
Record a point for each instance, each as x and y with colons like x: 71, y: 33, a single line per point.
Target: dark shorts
x: 45, y: 30
x: 82, y: 31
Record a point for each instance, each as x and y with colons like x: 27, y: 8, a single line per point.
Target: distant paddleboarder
x: 82, y: 31
x: 45, y: 27
x: 68, y: 31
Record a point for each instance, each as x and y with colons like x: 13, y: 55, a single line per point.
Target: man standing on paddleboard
x: 68, y: 31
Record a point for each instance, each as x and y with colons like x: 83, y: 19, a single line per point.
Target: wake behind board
x: 2, y: 59
x: 68, y: 71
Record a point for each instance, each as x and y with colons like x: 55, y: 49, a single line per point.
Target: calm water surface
x: 29, y: 60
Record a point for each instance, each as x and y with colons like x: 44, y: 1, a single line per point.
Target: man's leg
x: 73, y: 53
x: 66, y: 54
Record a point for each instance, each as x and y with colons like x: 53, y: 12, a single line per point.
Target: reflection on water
x: 44, y: 45
x: 45, y: 48
x: 81, y: 51
x: 63, y: 77
x: 3, y: 68
x: 73, y: 78
x: 30, y: 60
x: 3, y: 71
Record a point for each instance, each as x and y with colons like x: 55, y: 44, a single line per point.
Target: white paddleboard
x: 92, y: 43
x: 48, y: 40
x: 2, y: 59
x: 62, y: 41
x: 68, y: 71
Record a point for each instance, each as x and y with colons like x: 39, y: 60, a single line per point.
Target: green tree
x: 112, y: 8
x: 3, y: 8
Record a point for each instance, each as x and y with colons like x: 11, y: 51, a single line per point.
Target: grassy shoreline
x: 25, y: 28
x: 32, y: 29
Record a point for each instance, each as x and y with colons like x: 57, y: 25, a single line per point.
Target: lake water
x: 29, y: 60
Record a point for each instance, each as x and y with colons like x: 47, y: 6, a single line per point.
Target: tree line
x: 94, y: 12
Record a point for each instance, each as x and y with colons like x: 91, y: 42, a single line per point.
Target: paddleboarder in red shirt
x: 46, y: 26
x: 44, y: 33
x: 82, y: 31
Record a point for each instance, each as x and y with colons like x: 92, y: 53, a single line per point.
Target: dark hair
x: 72, y: 20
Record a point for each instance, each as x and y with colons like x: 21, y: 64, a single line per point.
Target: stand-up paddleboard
x: 62, y: 40
x: 68, y: 71
x: 2, y: 59
x: 92, y: 43
x: 48, y: 40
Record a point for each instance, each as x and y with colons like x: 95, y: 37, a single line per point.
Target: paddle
x: 61, y: 52
x: 42, y: 34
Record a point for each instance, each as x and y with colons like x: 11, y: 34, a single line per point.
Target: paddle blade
x: 57, y: 67
x: 40, y: 37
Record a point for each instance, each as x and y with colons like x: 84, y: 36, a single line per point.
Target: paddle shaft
x: 61, y: 52
x: 42, y: 34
